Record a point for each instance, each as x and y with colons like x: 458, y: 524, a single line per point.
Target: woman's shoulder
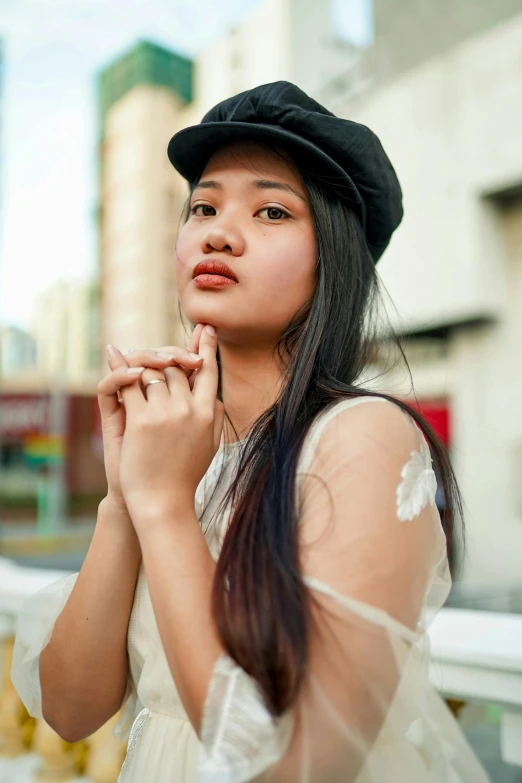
x: 385, y: 438
x: 335, y: 409
x: 333, y: 427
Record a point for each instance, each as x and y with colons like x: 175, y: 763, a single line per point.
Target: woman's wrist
x: 115, y: 503
x: 113, y: 514
x: 153, y: 514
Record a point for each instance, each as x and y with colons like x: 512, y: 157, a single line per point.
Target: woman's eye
x: 274, y: 213
x: 207, y: 210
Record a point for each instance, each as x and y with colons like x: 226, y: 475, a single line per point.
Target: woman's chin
x: 214, y: 314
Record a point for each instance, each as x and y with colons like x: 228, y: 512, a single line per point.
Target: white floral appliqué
x: 418, y: 486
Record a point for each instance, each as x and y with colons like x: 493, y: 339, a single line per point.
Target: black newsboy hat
x: 347, y: 156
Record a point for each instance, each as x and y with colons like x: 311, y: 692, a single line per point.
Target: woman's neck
x: 250, y: 384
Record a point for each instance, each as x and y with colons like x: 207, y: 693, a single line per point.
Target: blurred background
x: 90, y: 93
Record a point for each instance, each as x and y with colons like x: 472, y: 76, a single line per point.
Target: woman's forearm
x: 180, y: 572
x: 83, y: 669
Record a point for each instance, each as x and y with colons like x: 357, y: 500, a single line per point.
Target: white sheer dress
x: 373, y: 555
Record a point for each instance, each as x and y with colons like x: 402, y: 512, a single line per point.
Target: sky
x: 52, y: 51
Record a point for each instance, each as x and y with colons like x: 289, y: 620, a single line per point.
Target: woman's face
x: 250, y: 209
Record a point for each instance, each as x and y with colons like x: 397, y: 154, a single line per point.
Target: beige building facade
x: 140, y: 199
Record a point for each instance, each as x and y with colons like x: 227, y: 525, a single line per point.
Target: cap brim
x: 190, y: 149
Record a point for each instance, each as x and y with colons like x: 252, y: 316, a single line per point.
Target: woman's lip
x: 207, y: 280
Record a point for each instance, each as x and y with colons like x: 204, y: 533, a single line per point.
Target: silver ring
x: 156, y: 380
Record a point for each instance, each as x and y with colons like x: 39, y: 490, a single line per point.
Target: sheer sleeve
x: 36, y: 621
x: 371, y: 544
x: 35, y: 625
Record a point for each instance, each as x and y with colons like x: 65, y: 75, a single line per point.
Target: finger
x: 155, y: 391
x: 206, y: 381
x: 177, y: 384
x: 193, y: 343
x: 132, y: 394
x: 163, y: 357
x: 115, y: 358
x: 109, y: 386
x: 196, y: 336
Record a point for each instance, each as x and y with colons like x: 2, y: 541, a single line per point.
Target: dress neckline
x: 232, y: 443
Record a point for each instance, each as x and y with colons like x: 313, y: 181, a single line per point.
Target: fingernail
x: 135, y: 370
x: 168, y: 356
x: 210, y: 329
x: 111, y: 351
x: 194, y: 355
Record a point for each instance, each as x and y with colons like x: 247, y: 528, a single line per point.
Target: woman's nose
x: 223, y: 239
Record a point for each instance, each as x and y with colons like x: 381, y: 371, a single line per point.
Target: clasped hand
x: 172, y: 433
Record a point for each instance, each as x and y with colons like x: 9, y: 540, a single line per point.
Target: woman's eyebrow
x: 209, y: 183
x: 259, y: 184
x: 268, y: 184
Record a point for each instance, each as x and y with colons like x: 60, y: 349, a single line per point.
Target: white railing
x: 476, y: 655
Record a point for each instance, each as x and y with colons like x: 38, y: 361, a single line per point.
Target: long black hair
x: 260, y: 603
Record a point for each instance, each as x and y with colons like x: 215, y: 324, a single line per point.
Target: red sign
x: 436, y: 414
x: 24, y: 414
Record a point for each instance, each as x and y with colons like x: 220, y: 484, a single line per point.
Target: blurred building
x: 66, y: 329
x: 17, y: 351
x: 49, y: 435
x: 50, y: 429
x: 295, y: 40
x: 143, y: 100
x: 443, y: 92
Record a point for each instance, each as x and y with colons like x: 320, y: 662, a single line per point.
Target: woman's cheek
x: 182, y: 255
x: 299, y: 264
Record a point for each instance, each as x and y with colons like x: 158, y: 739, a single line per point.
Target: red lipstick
x: 213, y: 274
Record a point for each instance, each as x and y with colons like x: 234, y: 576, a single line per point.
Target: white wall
x: 318, y: 55
x: 452, y: 129
x: 487, y: 411
x: 256, y: 52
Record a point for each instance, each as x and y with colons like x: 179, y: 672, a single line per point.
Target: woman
x: 270, y: 527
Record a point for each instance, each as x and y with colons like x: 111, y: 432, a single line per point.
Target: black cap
x: 347, y: 156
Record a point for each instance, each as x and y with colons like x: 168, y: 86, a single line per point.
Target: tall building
x: 143, y: 100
